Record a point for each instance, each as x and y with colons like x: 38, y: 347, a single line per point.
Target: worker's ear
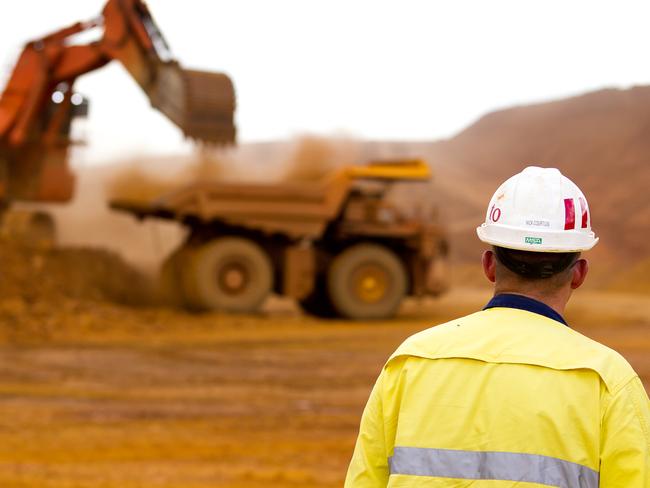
x: 580, y: 270
x: 488, y: 260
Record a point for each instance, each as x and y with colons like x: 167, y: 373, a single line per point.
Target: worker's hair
x: 533, y: 266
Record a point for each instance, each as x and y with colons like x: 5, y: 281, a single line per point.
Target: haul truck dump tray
x: 295, y: 209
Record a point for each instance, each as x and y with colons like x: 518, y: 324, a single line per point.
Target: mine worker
x: 511, y: 394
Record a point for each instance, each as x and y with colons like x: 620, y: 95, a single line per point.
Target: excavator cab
x: 73, y: 105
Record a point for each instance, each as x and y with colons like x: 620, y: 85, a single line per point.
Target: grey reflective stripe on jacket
x: 491, y: 465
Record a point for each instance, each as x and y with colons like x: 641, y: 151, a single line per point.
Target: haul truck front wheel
x: 366, y: 281
x: 232, y: 274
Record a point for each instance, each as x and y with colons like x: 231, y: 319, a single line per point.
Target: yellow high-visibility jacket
x: 503, y: 398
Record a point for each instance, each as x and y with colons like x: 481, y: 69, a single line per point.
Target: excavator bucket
x: 200, y: 103
x: 210, y: 106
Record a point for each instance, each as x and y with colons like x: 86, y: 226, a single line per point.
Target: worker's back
x: 504, y: 395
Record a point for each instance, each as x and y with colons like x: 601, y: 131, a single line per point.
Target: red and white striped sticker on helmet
x: 585, y: 212
x: 570, y: 213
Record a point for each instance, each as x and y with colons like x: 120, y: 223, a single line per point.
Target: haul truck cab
x: 335, y: 246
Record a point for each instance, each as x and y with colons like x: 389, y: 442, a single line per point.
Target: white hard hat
x: 540, y: 210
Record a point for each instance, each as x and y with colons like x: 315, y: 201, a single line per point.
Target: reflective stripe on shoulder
x: 491, y: 465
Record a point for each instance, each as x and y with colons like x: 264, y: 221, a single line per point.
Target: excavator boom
x: 38, y: 103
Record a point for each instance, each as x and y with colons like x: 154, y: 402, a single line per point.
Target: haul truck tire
x: 366, y: 281
x: 232, y: 274
x: 170, y: 278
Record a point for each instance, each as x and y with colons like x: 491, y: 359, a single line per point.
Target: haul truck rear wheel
x: 366, y: 281
x: 230, y: 273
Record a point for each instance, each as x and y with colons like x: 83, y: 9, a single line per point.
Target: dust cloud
x: 144, y: 180
x: 87, y: 221
x: 313, y: 158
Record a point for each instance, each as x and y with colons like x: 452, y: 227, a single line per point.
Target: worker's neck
x: 556, y: 300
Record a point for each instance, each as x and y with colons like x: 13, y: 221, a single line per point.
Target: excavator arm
x: 38, y: 103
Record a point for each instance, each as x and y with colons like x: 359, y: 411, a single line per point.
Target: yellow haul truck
x: 335, y: 246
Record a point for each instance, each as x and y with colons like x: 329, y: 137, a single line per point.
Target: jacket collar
x: 510, y: 300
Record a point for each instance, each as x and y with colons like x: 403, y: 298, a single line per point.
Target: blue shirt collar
x: 510, y: 300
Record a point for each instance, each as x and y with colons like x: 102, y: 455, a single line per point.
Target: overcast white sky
x: 374, y: 69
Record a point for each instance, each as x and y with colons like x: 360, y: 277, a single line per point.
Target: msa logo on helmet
x: 533, y: 240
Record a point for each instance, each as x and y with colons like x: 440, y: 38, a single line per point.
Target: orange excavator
x: 39, y: 102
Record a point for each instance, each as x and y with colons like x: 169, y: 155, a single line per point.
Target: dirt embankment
x: 52, y: 274
x: 43, y: 288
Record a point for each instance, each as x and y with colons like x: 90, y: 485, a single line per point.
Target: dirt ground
x: 103, y: 395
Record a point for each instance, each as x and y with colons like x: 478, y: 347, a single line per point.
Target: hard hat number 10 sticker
x: 495, y: 214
